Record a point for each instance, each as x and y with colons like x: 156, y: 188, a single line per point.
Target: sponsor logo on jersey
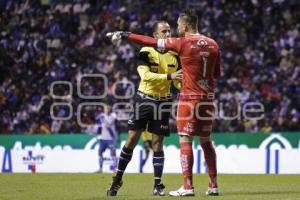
x: 164, y: 126
x: 203, y: 84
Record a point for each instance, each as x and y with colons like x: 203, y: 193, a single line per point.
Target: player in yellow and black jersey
x: 158, y: 70
x: 155, y: 70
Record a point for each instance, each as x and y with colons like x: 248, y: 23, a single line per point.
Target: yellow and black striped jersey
x: 154, y: 69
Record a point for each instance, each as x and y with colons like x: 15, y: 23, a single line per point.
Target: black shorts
x: 150, y: 114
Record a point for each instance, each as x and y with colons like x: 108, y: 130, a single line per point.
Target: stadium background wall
x: 244, y: 153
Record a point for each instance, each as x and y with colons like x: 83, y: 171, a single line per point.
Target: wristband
x: 169, y: 77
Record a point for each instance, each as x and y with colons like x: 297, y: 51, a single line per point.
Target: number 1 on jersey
x: 204, y: 66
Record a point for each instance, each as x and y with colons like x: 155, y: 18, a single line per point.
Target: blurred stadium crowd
x: 42, y: 41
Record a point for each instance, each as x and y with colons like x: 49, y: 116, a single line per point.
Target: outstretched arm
x: 143, y: 40
x: 170, y: 43
x: 139, y: 39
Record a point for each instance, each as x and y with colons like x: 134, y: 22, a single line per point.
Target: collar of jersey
x: 161, y: 51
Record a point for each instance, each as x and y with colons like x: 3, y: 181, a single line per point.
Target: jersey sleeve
x: 173, y: 44
x: 147, y: 75
x: 144, y: 64
x: 143, y: 57
x: 142, y: 40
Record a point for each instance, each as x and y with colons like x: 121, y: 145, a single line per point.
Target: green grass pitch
x: 139, y: 186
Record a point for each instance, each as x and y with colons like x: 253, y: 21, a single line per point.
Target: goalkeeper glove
x: 117, y: 36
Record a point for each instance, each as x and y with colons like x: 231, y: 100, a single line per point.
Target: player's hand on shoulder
x: 177, y: 75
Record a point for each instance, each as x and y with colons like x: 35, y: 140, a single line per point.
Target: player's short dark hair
x: 155, y: 27
x: 191, y: 18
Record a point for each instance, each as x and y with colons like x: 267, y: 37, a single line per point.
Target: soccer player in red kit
x: 200, y: 60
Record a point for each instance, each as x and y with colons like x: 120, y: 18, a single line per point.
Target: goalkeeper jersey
x: 200, y: 59
x: 153, y: 69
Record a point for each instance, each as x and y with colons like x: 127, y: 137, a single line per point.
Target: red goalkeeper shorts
x: 195, y: 117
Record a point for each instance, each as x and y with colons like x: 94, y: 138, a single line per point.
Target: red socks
x: 187, y: 161
x: 210, y: 159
